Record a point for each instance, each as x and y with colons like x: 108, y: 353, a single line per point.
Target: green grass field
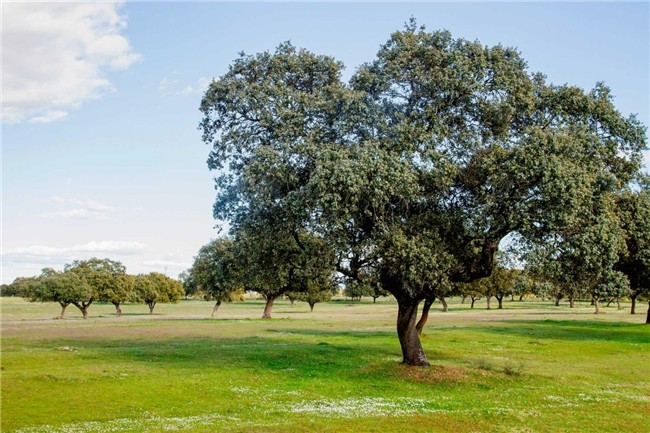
x: 530, y: 367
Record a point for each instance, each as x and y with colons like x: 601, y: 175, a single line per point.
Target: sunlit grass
x: 531, y: 367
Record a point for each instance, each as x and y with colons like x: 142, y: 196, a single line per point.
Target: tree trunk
x: 473, y: 300
x: 557, y: 301
x: 409, y: 340
x: 489, y: 298
x: 311, y: 306
x: 633, y: 308
x: 647, y: 317
x: 63, y: 307
x: 118, y: 310
x: 425, y: 314
x: 462, y: 299
x: 618, y: 303
x: 151, y: 306
x: 216, y: 307
x: 595, y: 301
x: 83, y: 307
x: 500, y: 299
x: 521, y: 297
x: 572, y: 302
x: 374, y: 299
x: 268, y: 307
x: 445, y: 307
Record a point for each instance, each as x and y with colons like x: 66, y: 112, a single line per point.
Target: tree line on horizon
x: 83, y: 282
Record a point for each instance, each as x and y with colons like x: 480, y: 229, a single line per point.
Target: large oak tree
x: 419, y: 167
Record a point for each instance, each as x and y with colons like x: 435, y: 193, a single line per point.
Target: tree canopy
x: 417, y: 168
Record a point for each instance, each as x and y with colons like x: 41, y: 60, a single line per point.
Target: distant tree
x: 154, y: 288
x: 355, y: 290
x: 315, y: 295
x: 108, y: 280
x: 65, y: 288
x: 21, y: 286
x: 500, y: 284
x: 581, y: 259
x: 215, y: 273
x: 634, y: 262
x: 523, y: 285
x: 612, y: 284
x: 473, y: 290
x: 121, y: 290
x: 189, y: 284
x: 278, y: 258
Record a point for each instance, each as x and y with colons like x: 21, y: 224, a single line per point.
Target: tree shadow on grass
x: 573, y: 330
x: 279, y: 354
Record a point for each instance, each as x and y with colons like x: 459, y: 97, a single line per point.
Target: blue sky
x: 101, y: 155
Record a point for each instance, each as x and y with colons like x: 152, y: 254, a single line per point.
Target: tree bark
x: 409, y: 340
x: 500, y: 299
x: 268, y: 307
x: 489, y: 298
x: 473, y: 300
x: 445, y: 307
x: 118, y: 310
x: 216, y: 307
x: 374, y: 299
x: 63, y: 307
x: 596, y: 305
x: 521, y: 297
x: 83, y: 307
x: 425, y: 315
x: 633, y: 299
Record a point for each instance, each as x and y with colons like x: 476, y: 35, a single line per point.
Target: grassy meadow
x: 530, y: 367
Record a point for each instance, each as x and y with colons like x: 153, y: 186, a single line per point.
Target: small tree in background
x: 634, y: 212
x: 355, y: 290
x: 154, y: 288
x: 120, y: 291
x: 65, y: 288
x: 108, y: 281
x: 215, y: 274
x: 21, y: 286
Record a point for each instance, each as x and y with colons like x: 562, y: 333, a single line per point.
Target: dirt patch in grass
x: 433, y: 374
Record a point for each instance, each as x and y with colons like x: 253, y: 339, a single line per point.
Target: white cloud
x: 166, y: 83
x: 197, y: 88
x: 56, y: 55
x: 84, y: 209
x: 49, y: 116
x: 28, y: 260
x: 166, y: 266
x: 94, y: 247
x: 170, y: 86
x: 40, y: 256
